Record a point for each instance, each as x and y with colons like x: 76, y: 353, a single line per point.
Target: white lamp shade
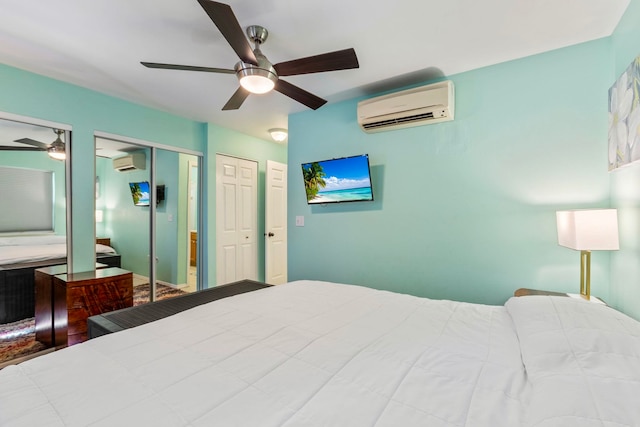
x: 588, y: 230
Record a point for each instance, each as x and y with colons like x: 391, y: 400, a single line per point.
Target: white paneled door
x: 276, y: 223
x: 236, y: 219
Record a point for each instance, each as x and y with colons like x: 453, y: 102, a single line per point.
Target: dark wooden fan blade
x: 14, y: 148
x: 33, y: 142
x: 339, y: 60
x: 236, y: 99
x: 300, y: 95
x: 187, y: 68
x: 224, y: 18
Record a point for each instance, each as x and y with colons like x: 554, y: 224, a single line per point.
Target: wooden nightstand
x: 523, y: 292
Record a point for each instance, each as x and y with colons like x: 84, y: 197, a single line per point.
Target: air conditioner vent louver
x: 418, y: 106
x: 392, y: 122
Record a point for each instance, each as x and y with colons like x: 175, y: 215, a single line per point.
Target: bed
x: 311, y: 353
x: 20, y: 256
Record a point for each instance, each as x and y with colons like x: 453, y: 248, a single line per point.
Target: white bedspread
x: 322, y: 354
x: 582, y: 360
x: 15, y: 250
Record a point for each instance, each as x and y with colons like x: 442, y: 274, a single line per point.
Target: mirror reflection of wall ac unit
x: 130, y: 162
x: 422, y: 105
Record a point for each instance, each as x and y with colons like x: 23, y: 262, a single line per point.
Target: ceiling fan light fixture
x: 278, y: 134
x: 56, y: 155
x: 57, y: 150
x: 257, y: 79
x: 255, y: 73
x: 257, y: 84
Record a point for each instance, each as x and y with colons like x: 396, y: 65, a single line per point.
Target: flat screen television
x: 140, y: 193
x: 347, y: 179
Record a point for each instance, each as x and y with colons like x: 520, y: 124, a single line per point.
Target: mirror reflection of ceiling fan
x: 56, y: 149
x: 254, y: 71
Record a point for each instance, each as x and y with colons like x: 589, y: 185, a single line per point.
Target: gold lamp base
x: 585, y: 274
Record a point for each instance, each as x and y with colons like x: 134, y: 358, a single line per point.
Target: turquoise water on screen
x: 348, y: 195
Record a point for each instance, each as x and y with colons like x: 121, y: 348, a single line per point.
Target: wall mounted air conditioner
x: 133, y: 161
x: 422, y: 105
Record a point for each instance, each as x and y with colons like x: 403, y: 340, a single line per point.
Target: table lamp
x: 586, y: 231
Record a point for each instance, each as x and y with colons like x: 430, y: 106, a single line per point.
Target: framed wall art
x: 624, y: 118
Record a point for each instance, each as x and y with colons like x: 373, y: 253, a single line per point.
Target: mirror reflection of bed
x: 33, y: 220
x: 19, y: 258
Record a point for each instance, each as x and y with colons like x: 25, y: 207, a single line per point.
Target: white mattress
x: 15, y: 250
x: 322, y: 354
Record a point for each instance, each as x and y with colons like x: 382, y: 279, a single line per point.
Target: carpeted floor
x: 17, y: 339
x: 141, y: 293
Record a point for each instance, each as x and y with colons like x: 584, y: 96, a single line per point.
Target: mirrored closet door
x: 146, y: 210
x: 33, y: 227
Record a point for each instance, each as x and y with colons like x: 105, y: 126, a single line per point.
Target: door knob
x: 270, y: 234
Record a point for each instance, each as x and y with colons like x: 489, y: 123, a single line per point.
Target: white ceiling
x: 99, y: 44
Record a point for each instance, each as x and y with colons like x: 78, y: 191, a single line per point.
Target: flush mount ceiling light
x: 278, y: 134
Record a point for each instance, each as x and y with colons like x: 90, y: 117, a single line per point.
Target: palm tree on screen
x: 136, y: 192
x: 313, y: 179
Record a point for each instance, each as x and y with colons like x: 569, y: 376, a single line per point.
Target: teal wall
x: 231, y: 143
x: 465, y: 210
x: 625, y: 183
x: 40, y: 160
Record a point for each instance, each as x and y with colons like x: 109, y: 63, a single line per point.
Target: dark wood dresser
x: 44, y: 300
x: 77, y: 296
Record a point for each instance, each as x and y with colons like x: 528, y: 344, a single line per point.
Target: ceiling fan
x: 254, y: 71
x: 56, y: 149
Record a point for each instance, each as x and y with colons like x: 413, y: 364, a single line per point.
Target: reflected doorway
x: 192, y: 225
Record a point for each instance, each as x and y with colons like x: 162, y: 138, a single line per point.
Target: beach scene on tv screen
x: 140, y: 193
x: 339, y: 180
